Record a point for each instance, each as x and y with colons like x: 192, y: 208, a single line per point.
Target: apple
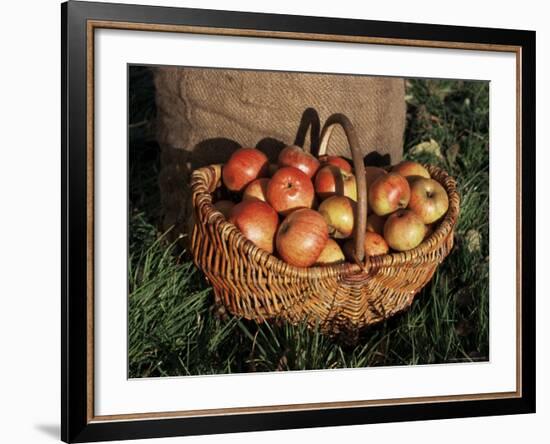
x: 429, y: 200
x: 404, y: 230
x: 331, y: 180
x: 389, y: 193
x: 256, y: 190
x: 244, y: 165
x: 257, y: 221
x: 375, y: 245
x: 339, y: 214
x: 408, y: 168
x: 302, y: 237
x: 375, y: 224
x: 372, y: 173
x: 294, y: 156
x: 331, y: 254
x: 290, y: 189
x: 336, y: 161
x: 224, y: 207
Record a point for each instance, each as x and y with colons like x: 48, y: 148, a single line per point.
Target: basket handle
x: 361, y: 181
x: 309, y: 121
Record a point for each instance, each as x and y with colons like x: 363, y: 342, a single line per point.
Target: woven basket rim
x: 212, y: 215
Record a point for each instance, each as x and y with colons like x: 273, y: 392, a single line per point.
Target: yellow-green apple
x: 429, y: 199
x: 404, y: 230
x: 339, y: 214
x: 333, y: 181
x: 290, y: 189
x: 244, y: 165
x: 256, y: 190
x: 294, y: 156
x: 389, y: 193
x: 336, y: 161
x: 224, y: 207
x: 301, y: 237
x: 331, y: 254
x: 375, y: 224
x: 408, y: 168
x: 257, y: 221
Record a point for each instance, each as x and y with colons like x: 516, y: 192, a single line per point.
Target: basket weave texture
x: 255, y: 284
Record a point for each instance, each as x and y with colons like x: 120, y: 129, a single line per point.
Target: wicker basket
x: 255, y: 284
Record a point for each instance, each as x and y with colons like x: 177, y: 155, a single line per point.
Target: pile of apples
x: 302, y: 209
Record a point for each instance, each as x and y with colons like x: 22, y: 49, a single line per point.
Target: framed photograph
x: 275, y: 221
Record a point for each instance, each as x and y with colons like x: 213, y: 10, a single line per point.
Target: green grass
x: 174, y: 329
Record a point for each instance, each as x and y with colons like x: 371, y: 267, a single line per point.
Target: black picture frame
x: 76, y: 423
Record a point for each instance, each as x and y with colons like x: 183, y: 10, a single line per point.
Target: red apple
x: 302, y: 237
x: 244, y: 165
x: 372, y: 173
x: 389, y: 193
x: 375, y: 224
x: 336, y: 161
x: 290, y: 189
x: 404, y: 230
x: 408, y: 168
x: 294, y: 156
x: 429, y: 199
x: 331, y: 180
x: 256, y: 190
x: 331, y: 254
x: 339, y: 214
x: 375, y: 245
x: 257, y: 221
x: 224, y: 207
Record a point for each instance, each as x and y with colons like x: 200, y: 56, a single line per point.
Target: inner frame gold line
x: 97, y: 24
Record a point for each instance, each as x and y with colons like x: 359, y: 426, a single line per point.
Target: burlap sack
x: 206, y: 114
